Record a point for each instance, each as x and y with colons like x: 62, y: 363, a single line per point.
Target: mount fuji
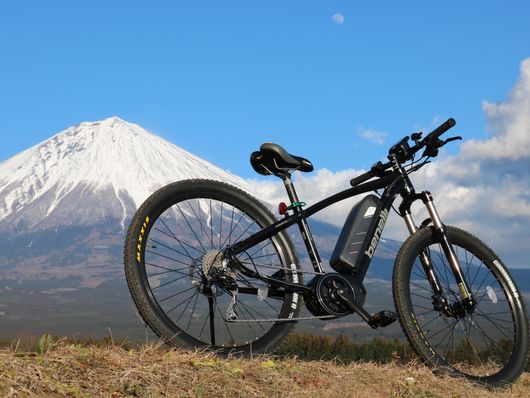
x: 65, y: 203
x: 91, y: 172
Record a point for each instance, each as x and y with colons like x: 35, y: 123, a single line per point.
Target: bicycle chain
x: 299, y: 271
x: 300, y: 318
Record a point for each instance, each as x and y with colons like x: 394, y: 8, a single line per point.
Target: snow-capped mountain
x: 92, y: 172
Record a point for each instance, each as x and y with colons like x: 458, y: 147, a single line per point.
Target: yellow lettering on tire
x: 140, y: 240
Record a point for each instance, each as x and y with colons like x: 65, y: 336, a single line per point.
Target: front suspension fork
x: 441, y: 232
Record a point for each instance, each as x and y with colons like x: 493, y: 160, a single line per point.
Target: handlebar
x: 431, y: 142
x: 433, y: 135
x: 403, y: 152
x: 362, y: 178
x: 378, y: 169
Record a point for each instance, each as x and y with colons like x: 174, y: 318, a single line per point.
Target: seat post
x: 302, y: 224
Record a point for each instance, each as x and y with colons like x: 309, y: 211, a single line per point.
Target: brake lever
x: 432, y: 148
x: 452, y: 139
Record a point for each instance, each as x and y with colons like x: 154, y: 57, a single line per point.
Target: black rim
x: 478, y: 343
x: 192, y: 306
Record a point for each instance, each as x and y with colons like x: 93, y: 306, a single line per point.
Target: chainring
x: 325, y: 301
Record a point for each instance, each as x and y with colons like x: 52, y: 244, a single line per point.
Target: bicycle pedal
x: 382, y: 319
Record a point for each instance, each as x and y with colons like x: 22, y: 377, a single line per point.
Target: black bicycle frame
x: 394, y: 183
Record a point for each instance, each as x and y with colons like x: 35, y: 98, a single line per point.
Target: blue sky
x: 220, y: 77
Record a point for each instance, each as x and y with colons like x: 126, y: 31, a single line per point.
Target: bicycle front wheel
x: 173, y: 240
x: 488, y: 344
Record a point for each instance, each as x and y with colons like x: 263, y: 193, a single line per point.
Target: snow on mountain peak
x: 114, y: 162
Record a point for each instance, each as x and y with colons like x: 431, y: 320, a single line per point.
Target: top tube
x: 285, y: 223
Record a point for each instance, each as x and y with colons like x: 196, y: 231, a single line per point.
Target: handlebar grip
x: 440, y: 130
x: 362, y: 178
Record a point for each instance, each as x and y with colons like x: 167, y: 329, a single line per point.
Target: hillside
x: 111, y: 371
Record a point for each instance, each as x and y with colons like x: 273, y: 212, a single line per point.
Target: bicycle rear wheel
x: 180, y: 230
x: 488, y: 344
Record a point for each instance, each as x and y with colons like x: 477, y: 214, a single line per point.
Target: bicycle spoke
x: 498, y: 327
x: 249, y: 324
x: 191, y: 229
x: 232, y: 229
x: 178, y: 271
x: 225, y: 323
x: 419, y: 295
x: 267, y: 243
x: 438, y: 332
x: 242, y: 233
x: 192, y: 312
x: 172, y: 235
x: 479, y: 267
x: 176, y: 294
x: 249, y: 309
x: 254, y: 311
x: 448, y: 335
x: 204, y: 325
x: 484, y: 334
x: 181, y: 243
x: 421, y: 287
x: 186, y: 307
x: 450, y: 341
x: 167, y: 283
x: 168, y: 258
x: 182, y: 302
x: 198, y: 218
x: 426, y: 308
x: 172, y: 249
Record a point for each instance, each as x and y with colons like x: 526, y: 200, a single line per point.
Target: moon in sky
x: 338, y: 18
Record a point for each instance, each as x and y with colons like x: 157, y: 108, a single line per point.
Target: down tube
x: 280, y: 225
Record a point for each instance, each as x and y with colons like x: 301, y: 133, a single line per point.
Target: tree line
x: 380, y: 350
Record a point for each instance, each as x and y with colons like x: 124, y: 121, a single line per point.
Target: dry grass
x: 70, y: 370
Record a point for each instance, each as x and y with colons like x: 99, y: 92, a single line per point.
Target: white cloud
x: 377, y: 137
x: 484, y: 189
x: 510, y: 122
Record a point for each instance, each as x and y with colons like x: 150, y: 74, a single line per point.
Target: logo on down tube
x: 377, y: 234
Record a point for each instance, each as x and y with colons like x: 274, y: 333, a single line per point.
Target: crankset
x: 338, y: 295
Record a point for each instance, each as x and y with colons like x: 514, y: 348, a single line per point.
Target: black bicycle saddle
x: 273, y: 159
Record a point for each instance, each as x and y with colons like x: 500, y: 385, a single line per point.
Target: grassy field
x: 110, y: 370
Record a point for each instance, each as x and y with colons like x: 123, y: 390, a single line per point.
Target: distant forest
x: 380, y: 350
